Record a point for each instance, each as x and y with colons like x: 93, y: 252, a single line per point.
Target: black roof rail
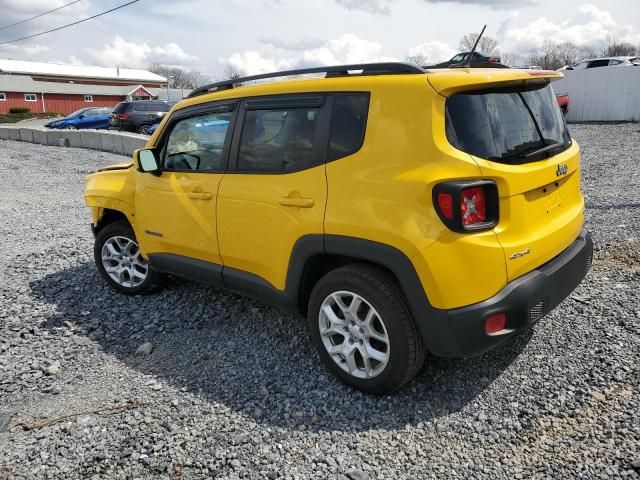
x: 388, y: 68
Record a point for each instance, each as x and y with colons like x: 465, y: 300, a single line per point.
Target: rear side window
x: 278, y: 140
x: 121, y: 107
x: 348, y: 124
x: 598, y: 63
x: 514, y: 125
x: 142, y: 107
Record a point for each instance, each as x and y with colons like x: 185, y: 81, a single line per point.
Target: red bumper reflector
x: 495, y: 323
x: 445, y: 204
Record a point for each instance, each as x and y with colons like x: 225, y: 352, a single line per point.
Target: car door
x: 176, y: 209
x: 275, y: 191
x: 90, y: 119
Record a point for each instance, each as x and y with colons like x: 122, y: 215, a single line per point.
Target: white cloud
x: 252, y: 63
x: 19, y: 51
x: 133, y: 54
x: 588, y: 26
x: 432, y: 52
x: 496, y: 4
x: 372, y: 6
x: 345, y: 49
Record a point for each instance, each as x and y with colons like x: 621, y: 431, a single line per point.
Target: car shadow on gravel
x: 252, y: 358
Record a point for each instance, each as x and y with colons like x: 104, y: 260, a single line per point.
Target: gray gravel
x: 231, y: 388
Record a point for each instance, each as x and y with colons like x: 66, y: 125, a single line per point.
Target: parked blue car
x: 97, y: 118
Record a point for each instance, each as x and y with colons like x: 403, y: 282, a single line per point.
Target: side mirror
x: 81, y: 117
x: 146, y: 161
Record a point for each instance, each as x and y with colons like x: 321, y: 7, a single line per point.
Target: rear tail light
x: 473, y: 206
x: 122, y: 116
x: 467, y: 206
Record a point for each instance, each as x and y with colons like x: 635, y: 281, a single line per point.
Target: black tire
x: 144, y: 129
x: 122, y: 229
x: 71, y: 127
x: 406, y: 351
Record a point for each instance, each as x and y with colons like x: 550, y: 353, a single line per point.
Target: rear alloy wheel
x: 120, y: 261
x: 362, y: 329
x: 353, y: 334
x: 144, y: 129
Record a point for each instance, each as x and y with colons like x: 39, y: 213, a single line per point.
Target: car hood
x: 118, y: 166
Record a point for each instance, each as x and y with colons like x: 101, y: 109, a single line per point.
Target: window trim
x: 35, y: 97
x: 196, y: 111
x: 89, y: 97
x: 3, y: 97
x: 281, y: 102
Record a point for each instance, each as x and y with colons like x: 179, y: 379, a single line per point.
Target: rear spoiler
x: 460, y: 80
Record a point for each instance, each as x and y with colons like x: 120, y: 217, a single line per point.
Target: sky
x: 256, y: 36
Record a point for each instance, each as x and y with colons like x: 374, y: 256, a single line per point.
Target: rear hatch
x: 517, y: 135
x: 120, y: 110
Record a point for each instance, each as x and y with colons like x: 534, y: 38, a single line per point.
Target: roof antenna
x: 473, y: 50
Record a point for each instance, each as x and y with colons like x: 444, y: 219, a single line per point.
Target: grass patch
x: 16, y: 117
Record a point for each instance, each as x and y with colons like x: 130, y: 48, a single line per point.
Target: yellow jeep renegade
x: 400, y: 210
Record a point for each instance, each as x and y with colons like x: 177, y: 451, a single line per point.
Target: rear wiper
x: 548, y: 150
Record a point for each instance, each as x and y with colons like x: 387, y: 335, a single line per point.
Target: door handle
x: 296, y: 202
x: 199, y: 195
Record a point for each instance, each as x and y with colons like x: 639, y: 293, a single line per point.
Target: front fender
x: 110, y: 189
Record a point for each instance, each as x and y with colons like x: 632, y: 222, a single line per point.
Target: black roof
x: 388, y: 68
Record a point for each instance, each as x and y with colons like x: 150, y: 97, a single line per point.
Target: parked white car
x: 628, y: 61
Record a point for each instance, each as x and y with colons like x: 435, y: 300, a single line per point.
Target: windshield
x: 513, y: 125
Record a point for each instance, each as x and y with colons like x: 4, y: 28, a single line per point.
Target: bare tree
x: 553, y: 55
x: 486, y: 45
x: 614, y: 47
x: 419, y: 60
x: 232, y: 72
x: 512, y: 59
x: 180, y: 78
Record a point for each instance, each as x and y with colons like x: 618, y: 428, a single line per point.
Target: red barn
x: 63, y: 88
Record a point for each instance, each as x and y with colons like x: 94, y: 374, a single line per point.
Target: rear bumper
x: 460, y: 332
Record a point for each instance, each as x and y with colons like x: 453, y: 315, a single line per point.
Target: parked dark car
x: 563, y: 102
x: 97, y: 118
x: 138, y: 116
x: 478, y: 60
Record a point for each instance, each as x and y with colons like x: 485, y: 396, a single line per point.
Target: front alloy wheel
x: 120, y: 262
x: 123, y: 262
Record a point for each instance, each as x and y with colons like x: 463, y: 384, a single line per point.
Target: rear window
x: 514, y: 125
x: 121, y: 107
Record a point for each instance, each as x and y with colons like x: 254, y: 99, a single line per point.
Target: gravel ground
x: 233, y: 389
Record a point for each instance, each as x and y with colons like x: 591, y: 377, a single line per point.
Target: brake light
x: 466, y: 206
x: 122, y: 116
x: 473, y: 206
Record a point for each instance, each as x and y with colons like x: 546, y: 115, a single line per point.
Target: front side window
x: 508, y: 125
x: 348, y: 122
x: 196, y: 143
x: 278, y: 140
x: 30, y: 97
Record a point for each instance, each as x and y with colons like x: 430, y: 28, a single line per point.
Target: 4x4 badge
x: 562, y: 170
